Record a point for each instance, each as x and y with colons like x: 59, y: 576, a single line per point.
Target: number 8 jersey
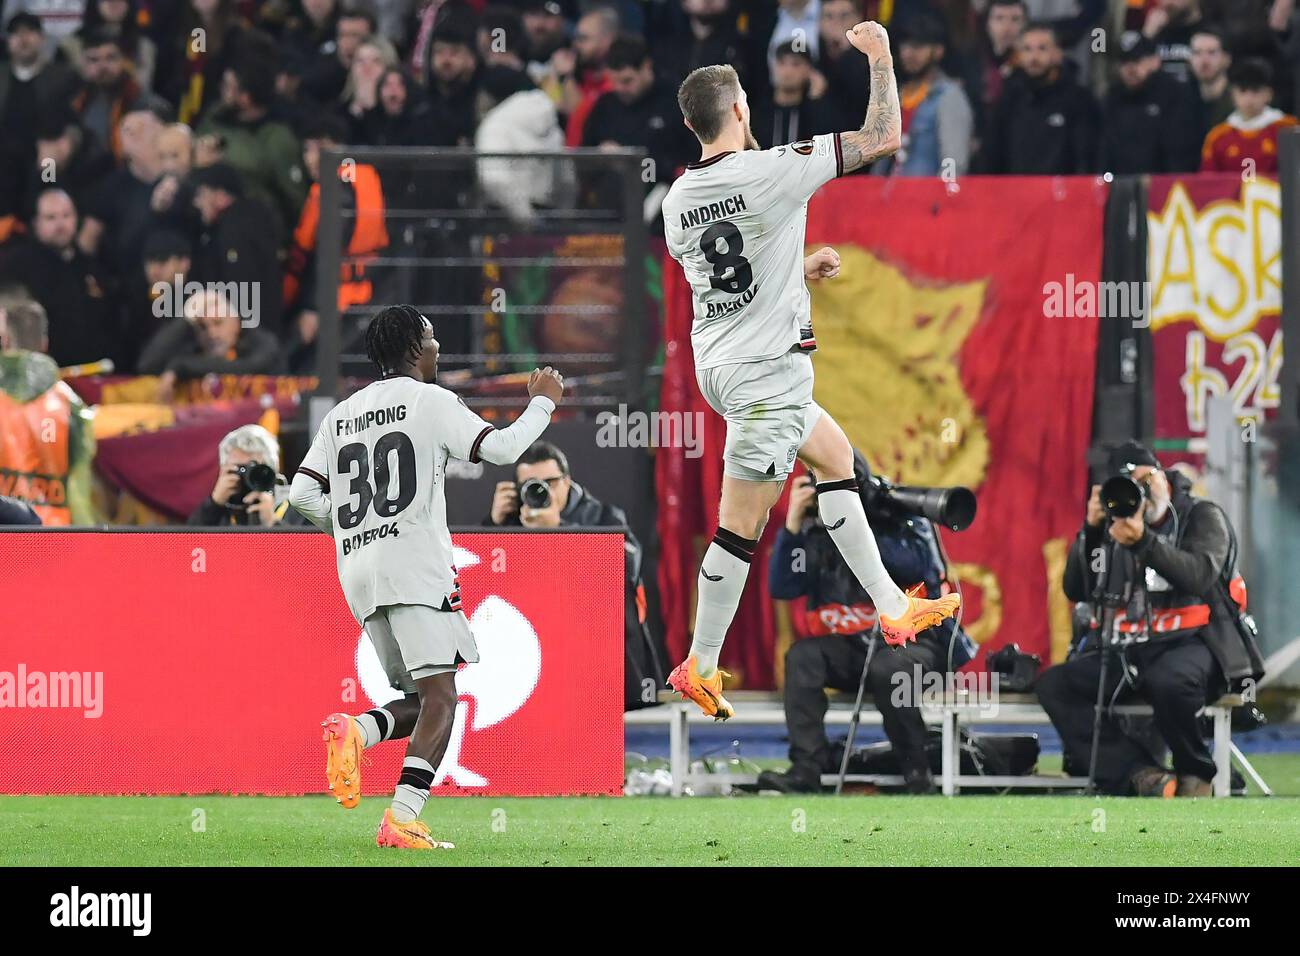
x: 736, y: 222
x: 381, y: 454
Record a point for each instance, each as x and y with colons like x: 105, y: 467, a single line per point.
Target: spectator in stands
x: 373, y: 58
x: 587, y: 79
x: 501, y: 38
x: 1004, y: 21
x: 59, y: 20
x: 48, y: 437
x: 67, y: 156
x: 172, y: 200
x: 1178, y: 546
x: 1209, y: 65
x: 1247, y: 140
x: 839, y: 614
x: 1045, y: 123
x: 239, y: 242
x: 937, y: 119
x: 75, y: 293
x: 262, y: 148
x: 842, y: 77
x: 166, y: 262
x: 400, y: 117
x: 566, y: 504
x: 1171, y: 24
x: 520, y: 119
x: 365, y: 234
x: 119, y: 18
x: 232, y: 501
x: 452, y: 85
x: 1150, y: 120
x: 108, y: 91
x: 205, y: 41
x: 798, y: 23
x: 546, y: 32
x: 309, y: 31
x: 789, y: 114
x: 120, y: 213
x: 324, y: 79
x: 638, y: 111
x: 712, y: 38
x: 208, y: 339
x: 31, y: 86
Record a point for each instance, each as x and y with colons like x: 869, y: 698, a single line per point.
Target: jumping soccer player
x: 375, y: 477
x: 735, y: 222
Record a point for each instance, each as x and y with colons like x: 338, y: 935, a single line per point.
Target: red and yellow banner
x: 1214, y: 265
x: 938, y: 359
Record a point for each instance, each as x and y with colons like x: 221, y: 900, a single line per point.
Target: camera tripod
x: 1111, y: 593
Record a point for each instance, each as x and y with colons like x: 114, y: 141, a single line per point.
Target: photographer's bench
x: 761, y: 708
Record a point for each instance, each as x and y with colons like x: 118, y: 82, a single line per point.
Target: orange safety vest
x: 34, y: 461
x: 369, y: 236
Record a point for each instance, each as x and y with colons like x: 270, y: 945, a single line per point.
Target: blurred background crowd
x: 149, y: 143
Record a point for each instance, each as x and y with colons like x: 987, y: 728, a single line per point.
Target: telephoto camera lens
x: 534, y: 493
x: 1122, y: 497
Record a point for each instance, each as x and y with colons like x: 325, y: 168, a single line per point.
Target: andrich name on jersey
x: 702, y: 215
x: 377, y: 416
x: 715, y: 309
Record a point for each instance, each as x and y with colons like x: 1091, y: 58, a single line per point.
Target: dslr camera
x: 535, y: 493
x: 254, y: 476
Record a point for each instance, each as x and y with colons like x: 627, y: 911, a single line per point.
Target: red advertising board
x: 143, y: 662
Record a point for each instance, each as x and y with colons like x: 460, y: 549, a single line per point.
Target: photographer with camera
x: 544, y: 495
x: 244, y: 493
x: 1162, y: 563
x: 839, y: 615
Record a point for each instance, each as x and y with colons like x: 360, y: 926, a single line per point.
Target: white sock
x: 412, y: 789
x: 840, y: 507
x: 721, y: 581
x: 371, y: 730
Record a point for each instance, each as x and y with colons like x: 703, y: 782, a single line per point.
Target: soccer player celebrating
x: 375, y: 477
x: 735, y: 222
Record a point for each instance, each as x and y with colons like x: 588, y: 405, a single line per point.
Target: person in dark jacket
x: 209, y: 339
x: 1150, y: 120
x: 232, y: 502
x: 1176, y: 550
x: 790, y: 114
x: 1046, y: 123
x: 568, y: 504
x: 76, y: 293
x: 839, y: 613
x: 240, y: 243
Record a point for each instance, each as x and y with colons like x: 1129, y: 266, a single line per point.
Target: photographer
x: 544, y: 495
x: 806, y: 563
x: 1178, y: 643
x: 244, y: 493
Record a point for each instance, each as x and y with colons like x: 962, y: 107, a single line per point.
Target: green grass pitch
x: 738, y: 831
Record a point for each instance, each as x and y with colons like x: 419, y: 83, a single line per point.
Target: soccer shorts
x: 769, y: 410
x: 414, y: 641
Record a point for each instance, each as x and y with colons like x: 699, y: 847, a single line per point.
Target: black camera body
x: 254, y: 476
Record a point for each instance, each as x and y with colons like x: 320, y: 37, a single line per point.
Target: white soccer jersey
x: 736, y: 222
x: 382, y: 455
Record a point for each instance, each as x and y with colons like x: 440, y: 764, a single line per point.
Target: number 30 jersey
x: 382, y: 455
x: 736, y: 222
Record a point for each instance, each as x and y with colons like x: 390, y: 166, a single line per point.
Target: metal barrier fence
x: 518, y: 259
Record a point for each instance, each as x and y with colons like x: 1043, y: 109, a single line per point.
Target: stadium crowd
x: 149, y: 142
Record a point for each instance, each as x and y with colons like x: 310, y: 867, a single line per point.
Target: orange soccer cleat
x: 413, y: 835
x: 707, y: 693
x: 343, y: 746
x: 920, y: 614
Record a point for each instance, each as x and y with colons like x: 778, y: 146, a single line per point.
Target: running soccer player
x: 375, y: 476
x: 735, y: 222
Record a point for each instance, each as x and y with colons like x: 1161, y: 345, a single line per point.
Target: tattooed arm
x: 882, y: 130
